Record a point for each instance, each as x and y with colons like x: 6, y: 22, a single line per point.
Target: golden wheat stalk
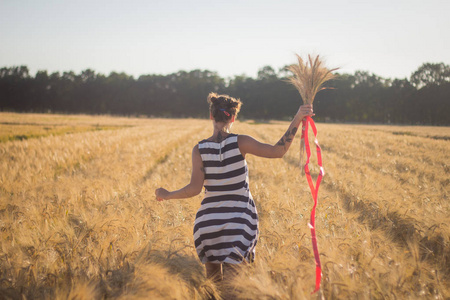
x: 308, y: 78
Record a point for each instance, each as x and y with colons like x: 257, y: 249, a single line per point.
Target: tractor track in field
x: 433, y: 245
x: 173, y: 146
x: 369, y: 170
x: 400, y: 167
x: 95, y: 155
x: 398, y: 228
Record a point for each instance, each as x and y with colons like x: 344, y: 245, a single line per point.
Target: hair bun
x: 223, y: 107
x: 213, y: 98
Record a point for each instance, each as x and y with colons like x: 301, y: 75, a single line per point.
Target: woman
x: 226, y: 225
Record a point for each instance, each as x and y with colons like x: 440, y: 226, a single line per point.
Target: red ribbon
x: 314, y: 191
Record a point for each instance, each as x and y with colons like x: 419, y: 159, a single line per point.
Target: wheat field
x: 79, y: 219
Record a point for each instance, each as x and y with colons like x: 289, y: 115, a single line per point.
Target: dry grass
x: 78, y: 216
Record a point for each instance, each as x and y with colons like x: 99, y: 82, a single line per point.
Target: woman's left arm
x: 193, y: 188
x: 248, y: 144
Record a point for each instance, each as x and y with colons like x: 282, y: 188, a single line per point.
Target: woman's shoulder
x: 243, y: 137
x: 209, y: 140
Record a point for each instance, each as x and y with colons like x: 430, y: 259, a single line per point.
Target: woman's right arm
x: 193, y: 188
x: 248, y: 144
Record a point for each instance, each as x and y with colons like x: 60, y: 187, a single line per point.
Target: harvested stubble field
x: 79, y: 219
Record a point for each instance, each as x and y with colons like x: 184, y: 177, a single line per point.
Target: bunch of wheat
x: 308, y: 78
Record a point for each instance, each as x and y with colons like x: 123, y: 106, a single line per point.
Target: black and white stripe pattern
x: 226, y: 225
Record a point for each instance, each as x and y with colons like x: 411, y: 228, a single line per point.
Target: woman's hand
x: 161, y: 194
x: 305, y: 110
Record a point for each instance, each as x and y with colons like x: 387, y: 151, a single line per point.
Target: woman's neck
x: 221, y: 131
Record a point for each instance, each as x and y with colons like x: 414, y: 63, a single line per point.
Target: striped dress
x: 226, y: 225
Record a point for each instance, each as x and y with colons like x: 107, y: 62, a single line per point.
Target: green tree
x: 431, y: 74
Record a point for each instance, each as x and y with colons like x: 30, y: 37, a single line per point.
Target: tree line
x: 361, y: 97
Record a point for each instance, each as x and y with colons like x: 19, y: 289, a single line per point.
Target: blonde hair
x: 223, y: 107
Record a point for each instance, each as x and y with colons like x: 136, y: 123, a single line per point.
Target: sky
x: 390, y: 38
